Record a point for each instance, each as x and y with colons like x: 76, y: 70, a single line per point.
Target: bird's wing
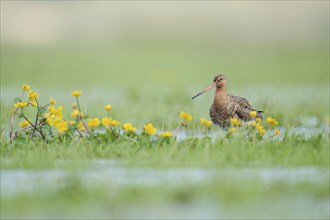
x: 241, y: 107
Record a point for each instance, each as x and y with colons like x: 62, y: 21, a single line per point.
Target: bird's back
x: 235, y: 107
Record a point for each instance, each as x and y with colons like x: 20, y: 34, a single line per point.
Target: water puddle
x: 305, y: 132
x: 112, y: 173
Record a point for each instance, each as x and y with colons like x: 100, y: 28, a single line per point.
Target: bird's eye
x: 220, y: 79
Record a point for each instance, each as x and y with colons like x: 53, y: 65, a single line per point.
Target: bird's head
x: 219, y: 81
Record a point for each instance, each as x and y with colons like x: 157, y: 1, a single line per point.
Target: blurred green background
x: 149, y: 58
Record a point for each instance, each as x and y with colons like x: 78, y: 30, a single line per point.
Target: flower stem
x: 43, y: 137
x: 37, y: 117
x: 80, y: 117
x: 11, y: 124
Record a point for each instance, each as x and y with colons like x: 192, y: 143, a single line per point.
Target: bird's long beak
x: 205, y: 90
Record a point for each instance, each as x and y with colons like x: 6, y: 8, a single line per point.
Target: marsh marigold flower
x: 260, y: 129
x: 271, y: 121
x: 81, y: 126
x: 149, y: 129
x: 109, y: 121
x: 206, y: 122
x: 129, y: 127
x: 25, y: 87
x: 52, y: 101
x: 258, y: 120
x: 277, y: 132
x: 105, y: 121
x: 114, y: 122
x: 252, y: 123
x: 93, y: 123
x: 185, y: 116
x: 56, y: 111
x: 166, y: 134
x: 50, y: 118
x: 76, y: 113
x: 76, y: 93
x: 253, y: 114
x: 232, y: 130
x: 21, y: 104
x: 72, y: 122
x: 108, y: 107
x: 235, y: 122
x: 34, y: 103
x: 24, y: 124
x: 33, y: 95
x: 61, y: 126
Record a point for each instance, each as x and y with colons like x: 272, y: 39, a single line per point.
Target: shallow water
x: 305, y: 132
x: 112, y: 173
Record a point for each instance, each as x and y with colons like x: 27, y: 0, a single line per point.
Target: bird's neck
x: 221, y: 96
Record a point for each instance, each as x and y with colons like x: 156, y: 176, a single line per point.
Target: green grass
x: 294, y: 151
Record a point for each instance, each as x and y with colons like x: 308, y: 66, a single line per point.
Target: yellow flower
x: 72, y: 122
x: 25, y: 87
x: 24, y: 124
x: 34, y: 103
x: 109, y: 121
x: 271, y: 121
x: 166, y: 134
x: 76, y: 113
x: 260, y: 129
x: 61, y: 126
x: 105, y: 121
x: 32, y: 95
x: 93, y: 123
x: 21, y: 104
x: 235, y: 121
x: 50, y: 121
x: 232, y: 130
x: 253, y: 114
x: 258, y: 120
x: 149, y: 129
x: 76, y: 93
x: 108, y: 107
x: 50, y: 118
x: 81, y: 126
x: 277, y: 132
x: 52, y: 101
x: 252, y: 123
x: 185, y: 116
x: 56, y: 111
x: 74, y: 106
x: 114, y: 122
x: 206, y: 122
x: 129, y: 127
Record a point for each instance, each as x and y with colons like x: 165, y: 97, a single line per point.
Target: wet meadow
x: 108, y: 129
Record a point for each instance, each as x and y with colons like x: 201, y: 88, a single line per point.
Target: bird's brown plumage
x: 226, y: 106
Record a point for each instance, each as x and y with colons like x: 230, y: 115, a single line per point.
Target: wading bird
x: 227, y: 106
